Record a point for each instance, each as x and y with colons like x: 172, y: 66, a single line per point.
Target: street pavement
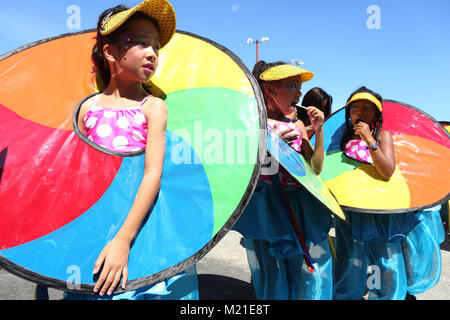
x: 223, y: 275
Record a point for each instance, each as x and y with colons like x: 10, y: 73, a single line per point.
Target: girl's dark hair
x: 98, y: 57
x: 377, y: 123
x: 262, y: 66
x: 315, y: 97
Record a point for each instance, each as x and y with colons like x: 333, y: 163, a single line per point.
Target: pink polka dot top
x: 357, y: 149
x: 121, y: 130
x: 280, y: 127
x: 286, y: 178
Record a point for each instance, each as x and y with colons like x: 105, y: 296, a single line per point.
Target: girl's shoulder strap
x: 95, y: 100
x: 145, y: 100
x: 91, y: 104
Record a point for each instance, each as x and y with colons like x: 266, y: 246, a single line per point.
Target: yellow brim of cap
x: 159, y: 10
x: 286, y: 71
x: 366, y: 96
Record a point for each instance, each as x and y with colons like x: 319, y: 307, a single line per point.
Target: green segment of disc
x: 222, y: 126
x: 336, y: 163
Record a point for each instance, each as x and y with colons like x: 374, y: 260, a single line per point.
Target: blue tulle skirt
x: 388, y: 256
x: 276, y: 260
x: 183, y: 286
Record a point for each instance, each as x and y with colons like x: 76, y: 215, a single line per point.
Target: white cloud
x: 235, y: 7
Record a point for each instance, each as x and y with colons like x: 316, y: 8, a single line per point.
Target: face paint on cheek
x: 126, y: 42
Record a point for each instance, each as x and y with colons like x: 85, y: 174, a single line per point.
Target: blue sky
x: 406, y: 59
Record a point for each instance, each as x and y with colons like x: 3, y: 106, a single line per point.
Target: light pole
x: 257, y: 42
x: 297, y: 63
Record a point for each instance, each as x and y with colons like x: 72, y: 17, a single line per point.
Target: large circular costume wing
x: 422, y: 175
x: 64, y: 198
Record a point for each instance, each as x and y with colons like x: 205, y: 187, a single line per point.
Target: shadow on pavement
x: 215, y: 287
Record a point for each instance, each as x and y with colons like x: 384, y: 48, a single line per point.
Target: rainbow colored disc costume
x: 422, y: 175
x: 63, y: 198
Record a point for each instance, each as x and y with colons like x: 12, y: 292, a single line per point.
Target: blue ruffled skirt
x: 183, y: 286
x: 275, y: 257
x: 388, y: 256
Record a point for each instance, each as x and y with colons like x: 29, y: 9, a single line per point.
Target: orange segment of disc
x: 61, y: 67
x: 424, y: 165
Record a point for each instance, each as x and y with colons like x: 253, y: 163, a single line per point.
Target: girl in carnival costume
x: 278, y: 266
x: 401, y: 250
x: 125, y: 118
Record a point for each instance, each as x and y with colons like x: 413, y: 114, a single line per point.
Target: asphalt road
x: 223, y: 275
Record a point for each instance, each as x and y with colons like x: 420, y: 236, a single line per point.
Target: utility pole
x: 250, y: 41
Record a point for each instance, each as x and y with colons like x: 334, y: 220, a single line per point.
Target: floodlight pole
x: 257, y: 42
x: 257, y: 50
x: 297, y: 63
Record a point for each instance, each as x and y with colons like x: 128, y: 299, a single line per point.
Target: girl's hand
x: 114, y: 259
x: 363, y: 130
x: 316, y: 117
x: 289, y: 135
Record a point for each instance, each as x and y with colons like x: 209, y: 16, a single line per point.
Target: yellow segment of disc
x: 363, y: 188
x: 193, y: 63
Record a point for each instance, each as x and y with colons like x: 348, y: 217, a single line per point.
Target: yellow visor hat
x: 366, y: 96
x: 285, y: 71
x: 159, y: 10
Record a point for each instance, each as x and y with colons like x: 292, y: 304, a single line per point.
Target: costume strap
x: 145, y: 100
x: 299, y: 236
x: 95, y: 101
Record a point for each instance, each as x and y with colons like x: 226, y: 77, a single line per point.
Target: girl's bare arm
x: 114, y: 257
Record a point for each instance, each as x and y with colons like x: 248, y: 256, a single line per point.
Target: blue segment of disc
x: 332, y: 136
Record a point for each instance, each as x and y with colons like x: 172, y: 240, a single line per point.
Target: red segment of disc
x: 35, y: 163
x: 399, y: 120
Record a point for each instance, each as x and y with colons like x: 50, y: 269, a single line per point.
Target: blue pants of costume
x: 276, y: 261
x: 388, y: 256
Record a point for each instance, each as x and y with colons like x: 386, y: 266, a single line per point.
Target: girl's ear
x: 108, y: 52
x: 269, y: 89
